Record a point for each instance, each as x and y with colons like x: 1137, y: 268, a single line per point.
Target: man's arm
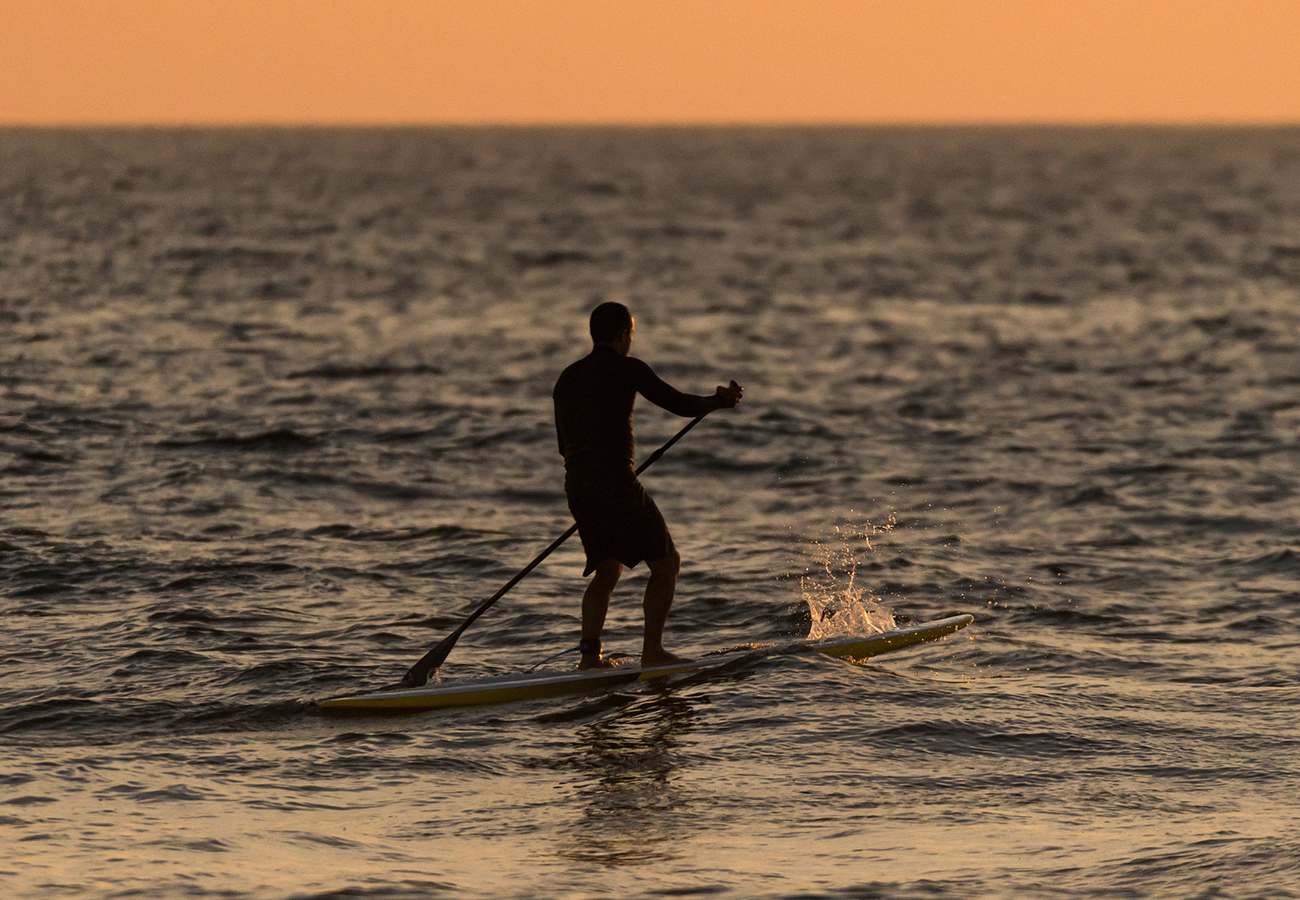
x: 663, y: 394
x: 559, y: 431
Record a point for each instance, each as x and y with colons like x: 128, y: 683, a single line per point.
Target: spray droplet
x: 839, y: 606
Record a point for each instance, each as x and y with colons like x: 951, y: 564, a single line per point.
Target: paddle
x: 419, y: 673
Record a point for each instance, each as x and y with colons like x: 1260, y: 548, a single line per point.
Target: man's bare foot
x: 594, y: 661
x: 650, y: 660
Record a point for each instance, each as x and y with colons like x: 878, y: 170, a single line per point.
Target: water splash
x: 839, y: 606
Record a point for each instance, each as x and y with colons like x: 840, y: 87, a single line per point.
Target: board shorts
x: 616, y: 519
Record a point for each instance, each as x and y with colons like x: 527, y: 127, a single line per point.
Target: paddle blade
x: 418, y: 676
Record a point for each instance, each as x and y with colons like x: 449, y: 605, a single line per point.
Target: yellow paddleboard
x: 554, y: 683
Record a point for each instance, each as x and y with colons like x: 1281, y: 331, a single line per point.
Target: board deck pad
x: 539, y: 685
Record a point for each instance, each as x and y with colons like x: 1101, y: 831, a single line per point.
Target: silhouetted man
x: 617, y: 521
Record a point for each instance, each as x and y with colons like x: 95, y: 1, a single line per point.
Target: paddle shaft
x: 418, y: 675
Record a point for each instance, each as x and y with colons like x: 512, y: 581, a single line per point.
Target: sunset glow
x: 638, y: 61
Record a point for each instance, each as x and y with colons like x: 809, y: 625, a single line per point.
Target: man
x: 617, y: 521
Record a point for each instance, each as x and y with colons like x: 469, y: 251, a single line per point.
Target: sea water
x: 275, y: 416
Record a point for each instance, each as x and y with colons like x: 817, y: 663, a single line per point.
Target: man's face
x: 625, y: 340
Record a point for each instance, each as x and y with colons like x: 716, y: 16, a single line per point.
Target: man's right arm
x: 663, y: 394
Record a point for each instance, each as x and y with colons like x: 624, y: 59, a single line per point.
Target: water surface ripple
x: 275, y: 415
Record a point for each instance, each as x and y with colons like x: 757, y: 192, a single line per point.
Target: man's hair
x: 609, y: 320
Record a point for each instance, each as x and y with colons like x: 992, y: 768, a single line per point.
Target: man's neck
x: 611, y: 345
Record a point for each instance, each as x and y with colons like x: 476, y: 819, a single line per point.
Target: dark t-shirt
x: 593, y: 411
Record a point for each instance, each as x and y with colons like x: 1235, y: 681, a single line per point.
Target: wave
x: 279, y: 440
x: 341, y: 372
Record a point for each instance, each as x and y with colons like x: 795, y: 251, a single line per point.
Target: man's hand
x: 728, y: 397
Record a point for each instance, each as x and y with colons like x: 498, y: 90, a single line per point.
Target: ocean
x: 275, y: 417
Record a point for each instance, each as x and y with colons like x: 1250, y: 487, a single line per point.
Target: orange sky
x: 673, y: 61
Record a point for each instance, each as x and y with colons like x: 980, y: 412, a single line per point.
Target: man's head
x: 611, y: 323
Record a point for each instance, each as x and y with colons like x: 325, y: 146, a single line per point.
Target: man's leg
x: 595, y: 604
x: 659, y: 591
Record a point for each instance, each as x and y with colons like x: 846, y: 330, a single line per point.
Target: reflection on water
x: 628, y: 765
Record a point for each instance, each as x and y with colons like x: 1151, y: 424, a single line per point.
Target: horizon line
x: 649, y: 124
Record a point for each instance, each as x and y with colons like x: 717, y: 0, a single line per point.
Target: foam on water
x: 839, y: 605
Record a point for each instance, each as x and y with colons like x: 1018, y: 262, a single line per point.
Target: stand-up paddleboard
x: 554, y: 683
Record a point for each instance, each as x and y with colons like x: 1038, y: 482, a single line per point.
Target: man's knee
x: 669, y: 564
x: 607, y: 573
